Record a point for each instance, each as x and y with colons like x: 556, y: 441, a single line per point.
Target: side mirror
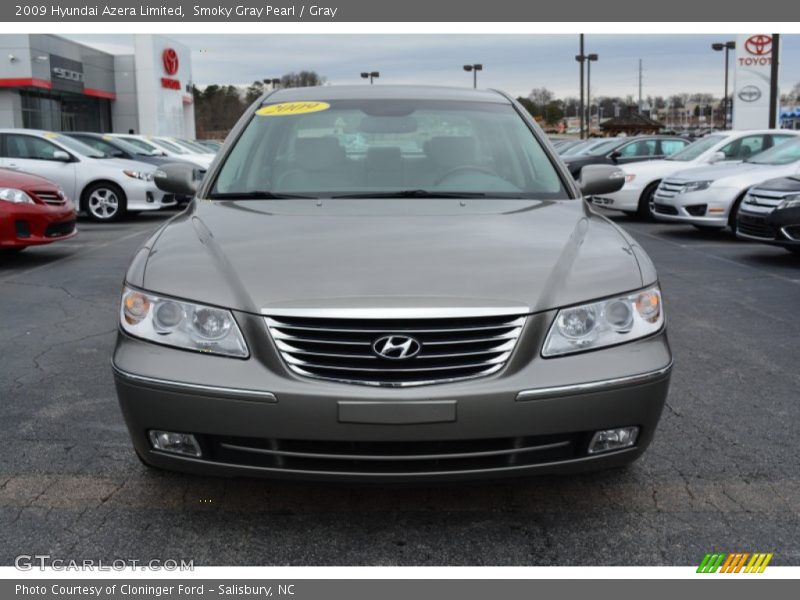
x: 62, y: 156
x: 614, y: 155
x: 177, y: 178
x: 596, y: 180
x: 717, y: 157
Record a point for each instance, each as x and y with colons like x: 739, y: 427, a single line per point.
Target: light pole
x: 727, y: 47
x: 474, y: 69
x: 581, y: 58
x: 370, y: 75
x: 590, y: 58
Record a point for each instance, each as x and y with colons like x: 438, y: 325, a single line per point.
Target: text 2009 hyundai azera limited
x: 390, y: 283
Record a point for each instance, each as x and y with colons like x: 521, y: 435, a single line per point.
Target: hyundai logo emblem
x: 396, y: 347
x: 749, y: 93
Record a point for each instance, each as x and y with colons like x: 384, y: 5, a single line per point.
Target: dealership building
x: 50, y: 82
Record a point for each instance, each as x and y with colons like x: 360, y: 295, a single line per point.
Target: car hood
x: 742, y: 170
x: 258, y: 256
x: 781, y: 184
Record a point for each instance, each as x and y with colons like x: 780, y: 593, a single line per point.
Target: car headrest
x: 452, y: 151
x: 318, y: 153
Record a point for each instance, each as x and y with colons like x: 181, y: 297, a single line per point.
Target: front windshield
x: 110, y: 146
x: 578, y: 148
x: 388, y: 147
x: 697, y: 148
x: 144, y: 147
x: 191, y: 146
x: 169, y: 146
x: 602, y: 148
x: 782, y: 154
x: 78, y: 147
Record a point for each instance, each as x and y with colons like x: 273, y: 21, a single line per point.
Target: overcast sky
x: 515, y: 63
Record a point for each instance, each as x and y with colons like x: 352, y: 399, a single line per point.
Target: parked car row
x: 46, y: 178
x: 742, y: 180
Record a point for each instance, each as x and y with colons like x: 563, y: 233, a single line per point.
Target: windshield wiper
x: 255, y: 195
x: 413, y: 194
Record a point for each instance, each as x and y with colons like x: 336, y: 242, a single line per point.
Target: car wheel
x: 104, y: 202
x: 734, y: 214
x: 12, y: 250
x: 646, y: 201
x: 793, y: 249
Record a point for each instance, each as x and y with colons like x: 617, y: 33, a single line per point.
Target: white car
x: 709, y: 197
x: 162, y: 146
x: 105, y: 188
x: 642, y: 178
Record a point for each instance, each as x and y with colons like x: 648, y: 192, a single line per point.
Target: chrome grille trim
x: 669, y: 188
x: 49, y: 197
x: 341, y: 349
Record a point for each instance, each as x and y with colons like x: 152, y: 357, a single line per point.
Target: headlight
x: 788, y: 202
x: 605, y: 323
x: 695, y: 186
x: 181, y: 324
x: 15, y: 196
x: 139, y: 175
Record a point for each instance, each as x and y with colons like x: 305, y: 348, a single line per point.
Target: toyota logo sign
x: 749, y: 93
x: 759, y: 45
x: 170, y: 59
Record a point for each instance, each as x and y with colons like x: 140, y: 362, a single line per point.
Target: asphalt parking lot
x: 722, y: 474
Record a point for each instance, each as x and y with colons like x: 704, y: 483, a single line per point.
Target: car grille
x: 754, y: 226
x: 665, y: 209
x: 449, y: 349
x: 59, y: 229
x: 394, y: 457
x: 669, y: 188
x: 763, y: 201
x: 49, y: 197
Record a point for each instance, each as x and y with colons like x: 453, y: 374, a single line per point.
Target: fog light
x: 613, y: 439
x: 176, y: 443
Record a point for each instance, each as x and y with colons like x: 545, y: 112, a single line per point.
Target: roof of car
x: 385, y: 92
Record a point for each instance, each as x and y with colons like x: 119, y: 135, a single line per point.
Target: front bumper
x: 710, y: 207
x: 36, y: 224
x: 780, y: 228
x: 255, y: 418
x: 626, y: 199
x: 144, y: 195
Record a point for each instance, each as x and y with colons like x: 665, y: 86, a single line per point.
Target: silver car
x: 104, y: 188
x: 390, y: 283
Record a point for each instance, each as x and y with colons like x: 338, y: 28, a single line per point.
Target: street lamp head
x: 591, y: 57
x: 580, y: 57
x: 718, y: 46
x: 468, y: 68
x: 478, y: 67
x: 374, y: 74
x: 364, y: 75
x: 730, y: 45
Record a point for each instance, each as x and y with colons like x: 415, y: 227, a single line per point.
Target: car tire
x: 735, y: 213
x: 12, y: 250
x: 104, y: 202
x: 793, y: 250
x: 644, y: 210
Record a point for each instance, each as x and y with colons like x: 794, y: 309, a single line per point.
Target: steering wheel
x: 463, y: 168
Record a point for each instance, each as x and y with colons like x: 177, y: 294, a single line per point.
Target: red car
x: 33, y: 211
